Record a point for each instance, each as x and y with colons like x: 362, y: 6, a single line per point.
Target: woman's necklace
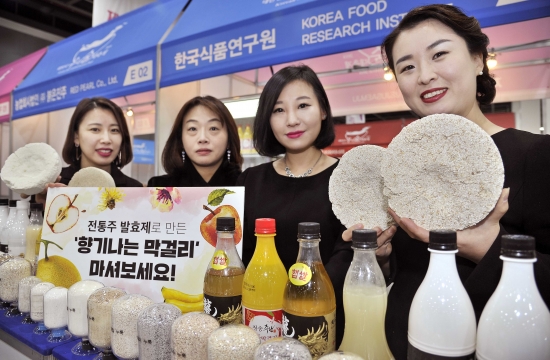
x: 290, y: 174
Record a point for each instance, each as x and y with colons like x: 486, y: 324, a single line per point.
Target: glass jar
x: 282, y: 349
x: 124, y: 316
x: 25, y: 286
x: 341, y: 355
x: 154, y: 327
x: 190, y: 332
x: 77, y: 306
x: 3, y: 258
x: 11, y: 272
x: 232, y: 342
x: 100, y: 303
x: 37, y: 306
x: 55, y: 314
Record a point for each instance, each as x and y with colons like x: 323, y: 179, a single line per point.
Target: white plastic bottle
x: 17, y: 240
x: 515, y: 323
x: 4, y: 212
x: 6, y: 227
x: 442, y: 320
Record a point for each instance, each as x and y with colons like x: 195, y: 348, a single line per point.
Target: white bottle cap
x: 22, y: 204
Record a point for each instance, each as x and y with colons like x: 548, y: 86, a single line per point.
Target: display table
x: 21, y: 338
x: 63, y: 352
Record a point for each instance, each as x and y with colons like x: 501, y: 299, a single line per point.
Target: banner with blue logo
x: 113, y: 59
x: 144, y: 151
x: 216, y: 37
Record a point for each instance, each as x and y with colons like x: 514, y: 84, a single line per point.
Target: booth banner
x: 151, y: 241
x: 259, y: 33
x: 144, y: 151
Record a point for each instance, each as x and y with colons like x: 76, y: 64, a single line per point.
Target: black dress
x: 526, y: 159
x: 226, y: 175
x: 120, y: 179
x: 291, y: 201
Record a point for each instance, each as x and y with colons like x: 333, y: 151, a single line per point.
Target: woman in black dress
x: 294, y: 120
x: 438, y: 56
x: 203, y: 148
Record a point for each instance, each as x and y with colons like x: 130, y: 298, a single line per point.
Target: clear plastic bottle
x: 18, y: 235
x: 309, y: 303
x: 6, y: 227
x: 124, y: 317
x: 189, y: 336
x: 4, y: 213
x: 24, y: 301
x: 56, y: 314
x: 77, y: 306
x: 154, y: 327
x: 37, y: 306
x: 232, y: 342
x: 365, y: 301
x: 33, y: 234
x: 442, y: 320
x: 264, y: 284
x: 223, y: 281
x: 515, y: 323
x: 282, y: 348
x: 3, y: 258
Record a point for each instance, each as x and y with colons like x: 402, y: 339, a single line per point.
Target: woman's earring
x: 228, y: 155
x: 183, y: 157
x: 77, y: 154
x: 480, y: 73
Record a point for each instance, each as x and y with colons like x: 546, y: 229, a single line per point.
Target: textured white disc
x: 30, y: 168
x: 92, y: 177
x: 356, y: 188
x: 444, y: 172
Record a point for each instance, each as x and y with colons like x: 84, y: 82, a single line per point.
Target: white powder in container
x: 37, y: 300
x: 341, y: 355
x: 124, y: 317
x: 77, y: 306
x: 282, y: 348
x: 232, y: 342
x: 99, y: 315
x: 154, y: 327
x: 190, y: 332
x: 55, y: 308
x: 25, y: 286
x: 11, y: 272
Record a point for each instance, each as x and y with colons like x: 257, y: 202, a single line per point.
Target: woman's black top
x: 120, y: 179
x: 226, y: 175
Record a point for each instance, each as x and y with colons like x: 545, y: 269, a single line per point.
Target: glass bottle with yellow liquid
x: 365, y: 301
x: 223, y: 280
x: 309, y: 304
x: 34, y: 234
x: 264, y: 284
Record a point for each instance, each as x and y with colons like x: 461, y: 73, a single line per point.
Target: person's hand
x: 383, y: 240
x: 473, y: 242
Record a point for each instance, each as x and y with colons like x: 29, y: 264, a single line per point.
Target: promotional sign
x: 151, y: 241
x: 259, y: 33
x: 113, y: 59
x: 144, y: 151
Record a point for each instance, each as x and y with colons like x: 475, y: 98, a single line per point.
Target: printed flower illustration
x: 109, y: 198
x: 164, y: 198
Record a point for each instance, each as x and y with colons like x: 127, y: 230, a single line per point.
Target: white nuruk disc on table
x: 443, y: 172
x: 30, y: 168
x: 356, y: 189
x: 92, y: 177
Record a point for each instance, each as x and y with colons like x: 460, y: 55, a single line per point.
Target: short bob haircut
x: 171, y: 155
x: 464, y: 26
x: 85, y: 106
x: 264, y: 140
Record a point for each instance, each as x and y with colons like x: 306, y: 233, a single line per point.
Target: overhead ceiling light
x: 243, y: 108
x: 491, y: 60
x: 130, y: 112
x: 388, y: 74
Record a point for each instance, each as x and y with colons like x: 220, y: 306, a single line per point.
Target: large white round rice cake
x: 443, y: 172
x: 356, y: 188
x: 92, y: 177
x: 30, y: 168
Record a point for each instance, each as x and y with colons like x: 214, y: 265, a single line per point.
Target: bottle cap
x: 4, y: 202
x: 22, y: 204
x: 265, y: 226
x: 442, y: 240
x: 309, y: 230
x: 225, y: 224
x: 37, y: 206
x: 364, y: 239
x: 13, y: 203
x: 518, y: 246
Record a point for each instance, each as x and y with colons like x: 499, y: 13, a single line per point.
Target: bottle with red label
x: 263, y: 285
x: 309, y: 304
x: 224, y: 277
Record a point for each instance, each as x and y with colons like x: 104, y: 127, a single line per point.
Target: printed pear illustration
x: 57, y: 269
x: 208, y: 224
x: 62, y: 214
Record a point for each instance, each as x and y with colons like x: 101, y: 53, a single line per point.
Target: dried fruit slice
x: 444, y: 172
x: 92, y: 177
x: 356, y: 188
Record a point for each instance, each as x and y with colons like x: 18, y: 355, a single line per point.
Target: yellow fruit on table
x: 168, y: 293
x: 56, y: 269
x: 186, y: 307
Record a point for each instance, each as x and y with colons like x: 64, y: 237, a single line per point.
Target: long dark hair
x: 171, y: 155
x: 467, y: 27
x: 85, y: 106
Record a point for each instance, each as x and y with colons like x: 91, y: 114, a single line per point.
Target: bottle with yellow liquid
x: 223, y: 280
x: 241, y: 135
x: 247, y: 141
x: 309, y: 304
x: 365, y: 301
x: 264, y: 284
x: 34, y: 233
